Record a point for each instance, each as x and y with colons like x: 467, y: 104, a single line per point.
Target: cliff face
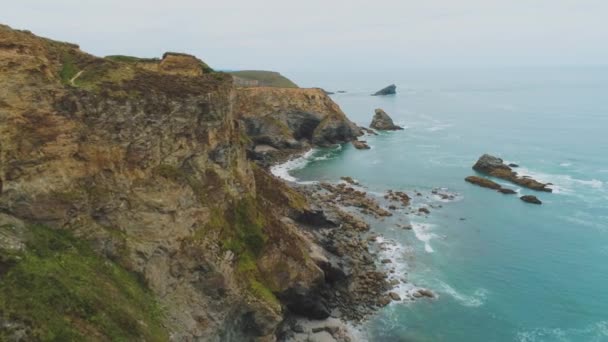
x: 146, y: 162
x: 293, y: 118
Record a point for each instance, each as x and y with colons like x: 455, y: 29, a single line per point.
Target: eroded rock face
x: 495, y: 167
x: 383, y: 122
x: 389, y: 90
x: 291, y: 118
x: 149, y: 165
x: 182, y: 64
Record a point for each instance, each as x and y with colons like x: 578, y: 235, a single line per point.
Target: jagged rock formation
x: 381, y: 121
x: 145, y: 161
x: 389, y: 90
x: 495, y: 167
x: 486, y: 183
x: 292, y: 119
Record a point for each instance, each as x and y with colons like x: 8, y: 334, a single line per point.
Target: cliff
x: 262, y: 78
x: 293, y: 119
x: 125, y: 187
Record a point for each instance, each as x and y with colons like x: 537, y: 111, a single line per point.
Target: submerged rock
x: 495, y: 167
x: 389, y: 90
x: 382, y: 121
x: 531, y: 199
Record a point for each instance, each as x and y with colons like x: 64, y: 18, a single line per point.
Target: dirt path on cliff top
x: 73, y: 79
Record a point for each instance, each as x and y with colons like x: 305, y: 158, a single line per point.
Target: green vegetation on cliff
x: 58, y: 289
x: 265, y: 78
x: 131, y: 59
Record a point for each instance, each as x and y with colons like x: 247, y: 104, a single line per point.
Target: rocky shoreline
x: 359, y: 281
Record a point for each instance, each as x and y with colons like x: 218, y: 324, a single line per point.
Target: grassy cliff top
x: 266, y: 78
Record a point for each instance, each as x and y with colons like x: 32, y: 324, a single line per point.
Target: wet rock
x: 386, y: 261
x: 424, y: 293
x: 382, y: 121
x: 384, y: 301
x: 368, y: 131
x: 389, y: 90
x: 483, y: 182
x: 507, y: 191
x: 306, y: 302
x: 513, y: 165
x: 495, y: 167
x: 531, y: 199
x: 349, y: 180
x: 360, y: 144
x: 486, y: 183
x: 398, y: 196
x: 424, y: 210
x: 394, y: 296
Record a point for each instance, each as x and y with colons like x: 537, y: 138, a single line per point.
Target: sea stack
x: 390, y: 90
x: 495, y: 167
x: 383, y: 122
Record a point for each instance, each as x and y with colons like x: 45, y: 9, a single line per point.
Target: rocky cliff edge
x: 141, y: 166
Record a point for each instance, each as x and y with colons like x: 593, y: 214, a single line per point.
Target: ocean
x: 503, y: 270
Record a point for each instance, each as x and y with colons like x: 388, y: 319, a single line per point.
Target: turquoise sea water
x: 509, y: 271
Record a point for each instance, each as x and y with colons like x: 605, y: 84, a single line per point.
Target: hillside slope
x: 264, y: 78
x: 140, y: 166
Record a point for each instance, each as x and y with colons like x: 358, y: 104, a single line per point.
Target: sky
x: 318, y: 35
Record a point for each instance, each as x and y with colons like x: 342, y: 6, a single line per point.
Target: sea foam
x: 282, y: 170
x: 423, y: 233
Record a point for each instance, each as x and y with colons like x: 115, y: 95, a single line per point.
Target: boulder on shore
x: 382, y: 121
x: 390, y: 90
x: 495, y: 167
x: 531, y: 199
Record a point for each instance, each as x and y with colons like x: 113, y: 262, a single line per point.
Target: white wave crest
x: 424, y: 234
x: 596, y: 332
x: 399, y: 254
x: 476, y: 299
x: 564, y: 184
x: 282, y: 170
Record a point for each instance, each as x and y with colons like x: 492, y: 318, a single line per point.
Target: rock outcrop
x: 486, y: 183
x: 134, y: 175
x: 531, y: 199
x: 381, y: 121
x: 495, y: 167
x: 360, y: 144
x: 293, y: 119
x: 389, y: 90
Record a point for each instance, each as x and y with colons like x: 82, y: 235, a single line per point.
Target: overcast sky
x: 321, y: 35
